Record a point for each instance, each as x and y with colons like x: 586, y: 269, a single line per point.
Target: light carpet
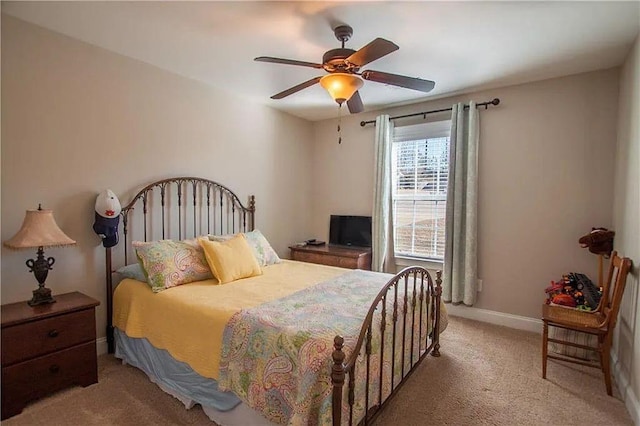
x: 487, y: 375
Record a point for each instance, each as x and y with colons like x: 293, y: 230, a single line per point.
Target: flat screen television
x: 350, y: 231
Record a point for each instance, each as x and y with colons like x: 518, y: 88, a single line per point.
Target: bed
x: 296, y: 343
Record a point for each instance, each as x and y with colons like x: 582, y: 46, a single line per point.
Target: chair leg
x: 605, y: 357
x: 545, y: 336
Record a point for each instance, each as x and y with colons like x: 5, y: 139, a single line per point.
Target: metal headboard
x: 177, y: 208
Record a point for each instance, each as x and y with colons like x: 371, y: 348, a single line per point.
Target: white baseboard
x: 101, y: 346
x: 628, y: 396
x: 498, y: 318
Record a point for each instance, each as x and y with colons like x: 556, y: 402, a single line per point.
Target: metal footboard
x: 405, y: 313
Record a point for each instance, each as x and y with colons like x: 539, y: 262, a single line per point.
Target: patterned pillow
x: 169, y: 263
x: 262, y: 250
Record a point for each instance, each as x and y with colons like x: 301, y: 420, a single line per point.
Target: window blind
x: 421, y: 174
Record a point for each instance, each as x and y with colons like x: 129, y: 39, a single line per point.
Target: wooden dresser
x: 46, y: 348
x: 344, y: 257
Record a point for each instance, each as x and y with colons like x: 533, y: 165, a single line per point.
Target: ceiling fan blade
x: 372, y: 51
x: 287, y: 62
x: 297, y: 88
x: 355, y: 103
x: 399, y: 80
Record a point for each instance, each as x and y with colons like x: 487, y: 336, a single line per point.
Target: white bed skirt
x: 158, y: 364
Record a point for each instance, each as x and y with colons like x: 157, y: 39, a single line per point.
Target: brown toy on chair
x: 598, y: 241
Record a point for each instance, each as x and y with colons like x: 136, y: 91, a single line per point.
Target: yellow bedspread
x: 189, y: 320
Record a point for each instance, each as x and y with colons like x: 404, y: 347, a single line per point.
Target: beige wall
x: 626, y: 219
x: 546, y: 177
x: 77, y: 119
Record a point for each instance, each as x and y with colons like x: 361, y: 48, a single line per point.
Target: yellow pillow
x: 230, y: 260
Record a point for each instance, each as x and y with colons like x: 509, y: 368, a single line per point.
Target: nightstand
x: 46, y: 348
x: 344, y: 257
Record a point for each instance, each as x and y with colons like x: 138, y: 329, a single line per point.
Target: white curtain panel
x: 383, y: 259
x: 460, y: 277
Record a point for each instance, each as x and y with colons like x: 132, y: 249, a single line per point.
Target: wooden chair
x: 600, y: 322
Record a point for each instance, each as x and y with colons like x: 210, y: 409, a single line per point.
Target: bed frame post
x: 252, y: 208
x: 436, y: 327
x: 110, y: 339
x: 337, y: 379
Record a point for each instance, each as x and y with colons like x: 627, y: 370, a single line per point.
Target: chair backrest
x: 606, y: 286
x: 614, y: 287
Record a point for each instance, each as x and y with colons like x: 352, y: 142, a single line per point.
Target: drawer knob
x: 53, y: 333
x: 54, y: 368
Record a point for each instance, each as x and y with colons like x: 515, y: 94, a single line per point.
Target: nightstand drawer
x: 38, y: 377
x: 37, y: 338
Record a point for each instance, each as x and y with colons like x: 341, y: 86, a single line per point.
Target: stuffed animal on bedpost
x: 599, y: 241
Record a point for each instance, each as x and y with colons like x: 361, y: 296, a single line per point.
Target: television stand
x: 331, y: 255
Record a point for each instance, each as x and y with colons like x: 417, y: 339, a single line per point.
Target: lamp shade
x: 39, y: 229
x: 341, y: 86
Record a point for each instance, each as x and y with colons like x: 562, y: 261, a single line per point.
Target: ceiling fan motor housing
x: 334, y: 60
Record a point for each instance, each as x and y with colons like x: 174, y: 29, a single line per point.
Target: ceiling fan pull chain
x: 339, y: 124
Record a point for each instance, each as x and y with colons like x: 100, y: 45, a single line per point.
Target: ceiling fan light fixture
x: 341, y: 86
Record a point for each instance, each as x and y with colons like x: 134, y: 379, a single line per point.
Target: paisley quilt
x: 277, y: 356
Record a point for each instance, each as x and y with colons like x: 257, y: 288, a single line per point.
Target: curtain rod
x: 495, y: 101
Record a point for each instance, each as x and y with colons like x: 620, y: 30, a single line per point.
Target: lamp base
x: 41, y: 296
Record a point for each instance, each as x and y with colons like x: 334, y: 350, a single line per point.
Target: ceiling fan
x: 343, y: 66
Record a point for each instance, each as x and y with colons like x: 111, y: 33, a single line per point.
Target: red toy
x: 564, y: 299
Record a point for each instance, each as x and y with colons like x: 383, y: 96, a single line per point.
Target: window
x: 420, y: 157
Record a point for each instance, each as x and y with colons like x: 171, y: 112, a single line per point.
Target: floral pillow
x: 262, y: 250
x: 169, y: 263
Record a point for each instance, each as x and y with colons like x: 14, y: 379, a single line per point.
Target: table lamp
x: 39, y: 230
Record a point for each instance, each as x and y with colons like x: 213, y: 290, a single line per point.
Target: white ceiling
x: 462, y: 46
